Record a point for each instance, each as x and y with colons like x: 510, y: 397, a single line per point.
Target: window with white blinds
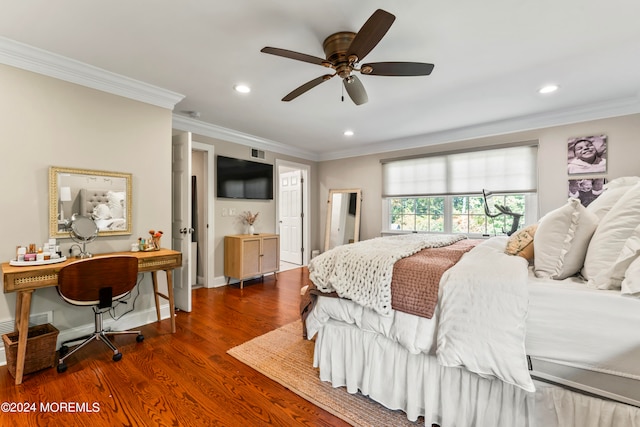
x: 443, y: 193
x: 498, y: 170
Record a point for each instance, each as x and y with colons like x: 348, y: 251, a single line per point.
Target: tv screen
x: 244, y: 179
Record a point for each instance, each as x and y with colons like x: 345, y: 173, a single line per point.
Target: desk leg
x: 23, y: 308
x: 169, y: 297
x: 172, y: 307
x: 154, y: 279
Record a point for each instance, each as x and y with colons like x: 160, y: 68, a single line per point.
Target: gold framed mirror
x: 343, y: 217
x: 102, y: 196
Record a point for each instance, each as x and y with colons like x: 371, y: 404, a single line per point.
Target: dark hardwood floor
x: 181, y: 379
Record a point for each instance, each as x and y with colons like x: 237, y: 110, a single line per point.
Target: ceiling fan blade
x: 397, y: 69
x: 371, y: 33
x: 306, y: 87
x: 355, y: 89
x: 292, y: 55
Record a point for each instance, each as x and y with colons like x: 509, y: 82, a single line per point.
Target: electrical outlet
x: 225, y: 212
x: 232, y: 211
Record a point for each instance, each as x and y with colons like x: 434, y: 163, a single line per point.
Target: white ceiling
x: 490, y: 58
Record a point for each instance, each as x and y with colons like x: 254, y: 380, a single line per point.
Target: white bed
x: 576, y: 335
x: 106, y: 207
x: 594, y: 346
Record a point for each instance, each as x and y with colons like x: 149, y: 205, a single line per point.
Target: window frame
x: 530, y: 213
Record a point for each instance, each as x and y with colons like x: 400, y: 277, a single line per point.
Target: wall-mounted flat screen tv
x: 243, y: 179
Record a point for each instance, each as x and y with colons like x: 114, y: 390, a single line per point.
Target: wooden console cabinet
x: 251, y: 255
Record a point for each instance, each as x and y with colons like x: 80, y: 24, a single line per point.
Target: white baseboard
x: 128, y: 321
x: 217, y: 282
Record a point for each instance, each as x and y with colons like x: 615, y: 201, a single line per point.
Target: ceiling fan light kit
x: 345, y: 50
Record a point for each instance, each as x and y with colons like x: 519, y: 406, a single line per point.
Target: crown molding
x: 40, y: 61
x: 188, y: 124
x: 612, y: 108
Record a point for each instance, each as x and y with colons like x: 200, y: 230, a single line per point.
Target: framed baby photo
x: 587, y: 154
x: 586, y: 190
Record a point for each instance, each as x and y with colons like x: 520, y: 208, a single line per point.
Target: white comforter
x: 479, y: 322
x: 483, y: 311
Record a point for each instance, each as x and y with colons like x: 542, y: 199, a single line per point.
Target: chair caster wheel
x: 61, y: 367
x: 140, y: 338
x: 63, y: 350
x: 117, y: 357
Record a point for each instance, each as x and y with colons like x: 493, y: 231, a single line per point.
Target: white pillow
x: 631, y: 282
x: 612, y: 277
x: 624, y: 181
x: 101, y: 211
x: 115, y: 200
x: 561, y: 240
x: 613, y: 191
x: 612, y: 233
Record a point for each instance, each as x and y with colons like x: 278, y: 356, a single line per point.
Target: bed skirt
x: 375, y: 366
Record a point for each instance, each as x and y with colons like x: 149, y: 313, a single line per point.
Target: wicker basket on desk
x: 41, y: 349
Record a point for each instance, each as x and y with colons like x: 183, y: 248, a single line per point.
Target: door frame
x: 306, y: 189
x: 210, y: 177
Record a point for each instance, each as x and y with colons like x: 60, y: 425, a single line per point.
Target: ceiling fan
x: 345, y: 50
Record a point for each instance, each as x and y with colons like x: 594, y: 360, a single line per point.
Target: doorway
x: 292, y: 208
x: 202, y: 214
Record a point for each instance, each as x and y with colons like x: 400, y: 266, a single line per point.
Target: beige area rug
x: 285, y: 357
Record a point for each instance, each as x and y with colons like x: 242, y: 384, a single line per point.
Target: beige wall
x: 365, y: 172
x: 48, y: 122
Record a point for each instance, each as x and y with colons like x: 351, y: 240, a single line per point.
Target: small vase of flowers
x: 248, y: 218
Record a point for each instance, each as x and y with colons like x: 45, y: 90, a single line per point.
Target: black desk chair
x: 97, y: 282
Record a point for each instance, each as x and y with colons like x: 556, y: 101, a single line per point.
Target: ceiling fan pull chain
x: 342, y: 94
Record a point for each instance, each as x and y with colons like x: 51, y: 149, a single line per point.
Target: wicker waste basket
x: 41, y: 349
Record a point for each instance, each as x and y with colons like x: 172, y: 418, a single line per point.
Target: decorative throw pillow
x: 631, y: 282
x: 521, y: 242
x: 611, y: 235
x: 561, y: 240
x: 612, y: 277
x: 614, y: 190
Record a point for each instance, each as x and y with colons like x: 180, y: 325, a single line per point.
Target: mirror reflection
x: 83, y: 230
x: 343, y: 217
x: 104, y: 197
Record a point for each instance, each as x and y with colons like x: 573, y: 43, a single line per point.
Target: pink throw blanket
x: 416, y: 279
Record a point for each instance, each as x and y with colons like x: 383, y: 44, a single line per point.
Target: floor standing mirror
x: 343, y: 217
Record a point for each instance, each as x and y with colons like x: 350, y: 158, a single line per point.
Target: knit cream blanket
x: 362, y: 271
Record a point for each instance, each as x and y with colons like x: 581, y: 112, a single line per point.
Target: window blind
x: 498, y: 170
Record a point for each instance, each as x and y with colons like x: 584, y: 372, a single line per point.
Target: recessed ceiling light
x: 242, y: 88
x: 548, y: 89
x: 348, y: 133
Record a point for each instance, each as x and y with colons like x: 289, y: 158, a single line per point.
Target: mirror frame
x: 54, y: 209
x: 356, y: 233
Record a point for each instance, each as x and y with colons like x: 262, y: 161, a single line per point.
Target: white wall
x: 365, y: 172
x: 48, y: 122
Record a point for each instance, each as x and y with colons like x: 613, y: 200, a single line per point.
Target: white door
x: 181, y: 217
x: 207, y: 203
x: 290, y: 210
